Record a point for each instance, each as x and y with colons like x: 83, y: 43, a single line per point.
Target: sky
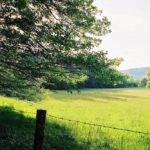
x: 130, y: 36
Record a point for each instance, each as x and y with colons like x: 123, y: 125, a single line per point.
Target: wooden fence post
x: 39, y: 130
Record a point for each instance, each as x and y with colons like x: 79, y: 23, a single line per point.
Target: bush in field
x: 143, y: 82
x: 148, y: 79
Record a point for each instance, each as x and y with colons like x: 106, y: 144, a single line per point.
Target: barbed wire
x: 20, y: 111
x: 99, y: 125
x: 27, y: 112
x: 87, y: 123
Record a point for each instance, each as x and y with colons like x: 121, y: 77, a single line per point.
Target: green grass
x: 122, y: 108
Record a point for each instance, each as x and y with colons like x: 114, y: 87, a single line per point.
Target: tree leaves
x: 42, y: 39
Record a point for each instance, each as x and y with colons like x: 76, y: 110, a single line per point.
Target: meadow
x: 121, y: 108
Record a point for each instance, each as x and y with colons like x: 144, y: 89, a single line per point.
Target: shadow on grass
x: 102, y: 96
x: 17, y: 133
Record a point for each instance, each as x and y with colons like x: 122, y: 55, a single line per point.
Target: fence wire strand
x: 99, y: 125
x: 87, y: 123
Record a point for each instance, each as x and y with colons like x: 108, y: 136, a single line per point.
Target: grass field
x: 122, y: 108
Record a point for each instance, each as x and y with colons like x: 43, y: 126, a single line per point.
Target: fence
x: 61, y: 139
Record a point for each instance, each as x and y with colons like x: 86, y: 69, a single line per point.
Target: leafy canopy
x: 47, y: 41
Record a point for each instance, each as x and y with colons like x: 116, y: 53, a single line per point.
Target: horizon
x: 132, y: 68
x: 130, y: 20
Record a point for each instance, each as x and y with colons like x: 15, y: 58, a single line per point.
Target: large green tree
x: 45, y: 41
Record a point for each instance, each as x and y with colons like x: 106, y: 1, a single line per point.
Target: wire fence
x: 87, y: 123
x: 62, y: 133
x: 99, y: 125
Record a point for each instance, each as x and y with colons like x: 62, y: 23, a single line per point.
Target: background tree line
x: 148, y: 79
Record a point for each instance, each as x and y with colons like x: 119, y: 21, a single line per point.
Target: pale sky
x: 130, y: 25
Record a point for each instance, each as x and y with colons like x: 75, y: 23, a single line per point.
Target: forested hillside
x: 136, y: 72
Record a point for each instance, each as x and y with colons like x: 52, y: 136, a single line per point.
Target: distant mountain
x: 136, y: 72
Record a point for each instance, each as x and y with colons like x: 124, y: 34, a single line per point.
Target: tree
x: 143, y: 82
x: 47, y: 41
x: 148, y: 79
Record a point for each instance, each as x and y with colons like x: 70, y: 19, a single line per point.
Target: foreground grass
x: 123, y: 108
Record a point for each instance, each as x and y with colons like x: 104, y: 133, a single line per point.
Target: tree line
x: 148, y: 79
